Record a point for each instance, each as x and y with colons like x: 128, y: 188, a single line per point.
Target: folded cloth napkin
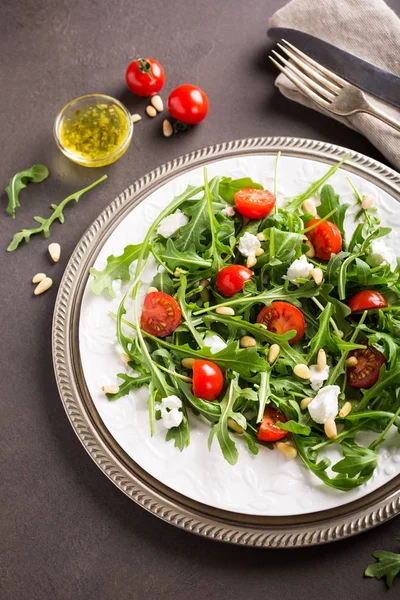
x: 366, y: 28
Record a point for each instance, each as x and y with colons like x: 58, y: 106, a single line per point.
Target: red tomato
x: 365, y: 300
x: 253, y: 203
x: 188, y: 104
x: 268, y: 431
x: 230, y: 280
x: 161, y: 314
x: 366, y: 372
x: 281, y: 317
x: 325, y: 238
x: 145, y: 77
x: 207, y: 380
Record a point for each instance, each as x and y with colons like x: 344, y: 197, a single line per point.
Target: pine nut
x: 302, y: 371
x: 234, y: 426
x: 38, y: 277
x: 110, y: 389
x: 346, y: 409
x: 136, y: 118
x: 55, y: 251
x: 311, y: 252
x: 321, y: 359
x: 157, y: 103
x: 44, y: 285
x: 309, y: 207
x: 340, y: 333
x: 247, y: 341
x: 167, y: 128
x: 259, y: 252
x: 368, y: 201
x: 152, y: 289
x: 187, y: 363
x: 330, y: 428
x: 251, y: 261
x: 273, y: 353
x: 287, y: 450
x: 317, y: 275
x: 151, y: 111
x: 351, y: 361
x: 204, y: 283
x: 125, y: 358
x: 225, y: 310
x: 305, y: 402
x: 260, y: 236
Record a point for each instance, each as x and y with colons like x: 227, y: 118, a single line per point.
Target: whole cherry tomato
x: 366, y: 372
x: 253, y: 203
x: 365, y: 300
x: 161, y: 314
x: 207, y: 379
x: 325, y: 237
x: 188, y: 104
x: 231, y: 279
x: 268, y: 431
x: 281, y: 317
x: 145, y: 77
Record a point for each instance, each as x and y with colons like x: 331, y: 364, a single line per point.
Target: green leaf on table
x: 387, y: 565
x: 228, y: 187
x: 35, y: 174
x: 117, y: 267
x: 173, y: 258
x: 294, y: 427
x: 330, y: 201
x: 129, y: 383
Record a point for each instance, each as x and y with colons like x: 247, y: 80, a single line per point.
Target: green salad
x: 270, y: 323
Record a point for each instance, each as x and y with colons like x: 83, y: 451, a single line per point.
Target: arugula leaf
x: 330, y: 201
x: 220, y: 429
x: 163, y: 282
x: 228, y: 187
x: 294, y: 427
x: 45, y: 224
x: 35, y: 174
x: 283, y: 246
x: 117, y: 267
x: 391, y: 348
x: 386, y: 379
x: 189, y: 258
x: 210, y: 410
x: 129, y: 383
x: 263, y: 393
x: 217, y: 248
x: 187, y: 312
x: 323, y: 338
x: 180, y: 434
x: 388, y: 566
x: 357, y: 461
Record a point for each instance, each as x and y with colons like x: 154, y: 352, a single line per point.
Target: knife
x: 366, y: 76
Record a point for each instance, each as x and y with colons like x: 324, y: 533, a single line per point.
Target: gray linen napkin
x: 366, y: 28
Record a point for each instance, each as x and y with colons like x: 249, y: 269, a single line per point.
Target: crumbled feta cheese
x: 299, y: 268
x: 248, y: 244
x: 381, y: 254
x: 170, y: 414
x: 325, y: 404
x: 171, y: 224
x: 214, y: 342
x: 229, y: 211
x: 318, y: 376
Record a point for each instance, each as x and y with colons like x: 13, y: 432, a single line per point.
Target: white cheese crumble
x: 171, y: 224
x: 249, y: 244
x: 318, y: 376
x: 171, y: 416
x: 325, y: 404
x: 381, y: 254
x: 229, y: 211
x: 299, y: 268
x: 214, y: 342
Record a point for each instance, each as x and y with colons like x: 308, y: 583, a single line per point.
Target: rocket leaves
x: 35, y: 174
x: 117, y: 267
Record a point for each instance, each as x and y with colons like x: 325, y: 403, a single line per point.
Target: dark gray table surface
x: 66, y: 532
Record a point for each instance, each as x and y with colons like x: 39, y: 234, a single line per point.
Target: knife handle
x: 379, y: 114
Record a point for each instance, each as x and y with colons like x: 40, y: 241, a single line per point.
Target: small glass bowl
x: 70, y: 110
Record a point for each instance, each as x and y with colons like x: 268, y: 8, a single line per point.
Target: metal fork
x: 324, y: 87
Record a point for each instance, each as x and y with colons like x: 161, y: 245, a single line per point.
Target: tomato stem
x: 145, y: 67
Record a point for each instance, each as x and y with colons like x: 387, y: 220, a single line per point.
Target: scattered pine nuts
x: 125, y: 358
x: 330, y: 428
x: 305, y: 402
x: 309, y: 207
x: 234, y: 426
x: 187, y: 363
x: 38, y: 277
x: 302, y: 371
x: 151, y: 111
x: 311, y: 252
x: 251, y: 261
x: 110, y: 389
x: 287, y: 450
x: 157, y: 103
x: 317, y: 275
x: 55, y: 251
x: 167, y: 128
x: 368, y: 201
x: 259, y: 252
x: 43, y: 286
x: 152, y: 289
x: 247, y: 341
x: 136, y: 118
x: 225, y: 310
x: 345, y: 410
x: 321, y: 359
x: 260, y: 236
x: 273, y: 353
x: 351, y: 361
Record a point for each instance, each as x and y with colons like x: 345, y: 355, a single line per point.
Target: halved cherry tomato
x: 366, y: 372
x: 145, y: 77
x: 268, y: 431
x: 161, y: 314
x: 188, y: 104
x: 281, y: 317
x: 253, y: 203
x: 367, y: 299
x: 231, y: 279
x: 325, y: 237
x: 207, y: 379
